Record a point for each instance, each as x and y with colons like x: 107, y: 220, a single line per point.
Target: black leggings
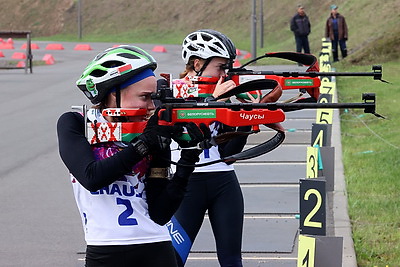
x: 220, y: 194
x: 144, y: 255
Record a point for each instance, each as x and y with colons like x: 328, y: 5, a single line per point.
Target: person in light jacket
x: 336, y: 30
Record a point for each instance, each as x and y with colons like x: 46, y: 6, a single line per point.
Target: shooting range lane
x: 39, y: 220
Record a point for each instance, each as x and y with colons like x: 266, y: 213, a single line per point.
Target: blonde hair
x: 189, y: 66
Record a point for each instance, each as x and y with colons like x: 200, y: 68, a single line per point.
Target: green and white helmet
x: 111, y: 68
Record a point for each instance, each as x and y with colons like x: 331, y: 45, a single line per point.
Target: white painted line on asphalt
x: 270, y: 163
x: 269, y: 185
x: 269, y: 217
x: 266, y: 216
x: 244, y: 258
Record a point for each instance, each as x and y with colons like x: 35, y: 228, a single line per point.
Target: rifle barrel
x: 376, y: 75
x: 368, y: 105
x: 271, y: 106
x: 324, y: 105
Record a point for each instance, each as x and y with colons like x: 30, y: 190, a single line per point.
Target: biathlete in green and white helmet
x: 114, y: 69
x: 121, y: 188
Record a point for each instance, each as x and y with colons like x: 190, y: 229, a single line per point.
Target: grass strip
x: 371, y: 158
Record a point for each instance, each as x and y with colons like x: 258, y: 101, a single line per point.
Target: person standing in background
x: 336, y: 31
x: 301, y: 27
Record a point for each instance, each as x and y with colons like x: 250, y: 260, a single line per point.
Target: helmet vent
x: 98, y: 73
x: 206, y: 37
x: 219, y: 45
x: 214, y: 50
x: 127, y: 55
x: 191, y: 48
x: 112, y: 64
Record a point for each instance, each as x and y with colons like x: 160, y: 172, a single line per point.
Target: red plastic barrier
x: 6, y: 46
x: 33, y: 46
x: 248, y: 55
x: 159, y: 48
x: 82, y: 47
x: 48, y: 59
x: 21, y: 64
x: 19, y: 55
x: 54, y: 47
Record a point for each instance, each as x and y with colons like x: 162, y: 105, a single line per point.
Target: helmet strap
x: 118, y: 96
x: 200, y: 72
x: 118, y: 102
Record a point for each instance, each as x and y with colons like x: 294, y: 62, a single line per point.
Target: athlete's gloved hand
x: 158, y: 137
x: 161, y: 159
x: 190, y: 152
x: 198, y: 135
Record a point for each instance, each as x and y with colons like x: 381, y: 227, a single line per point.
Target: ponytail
x: 189, y: 67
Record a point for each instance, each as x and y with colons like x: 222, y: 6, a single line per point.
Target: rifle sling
x: 258, y: 150
x: 225, y: 137
x: 250, y: 153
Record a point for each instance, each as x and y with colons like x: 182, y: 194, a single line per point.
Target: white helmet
x: 206, y: 44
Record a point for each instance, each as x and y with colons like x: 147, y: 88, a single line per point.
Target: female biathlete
x: 213, y: 188
x: 122, y: 189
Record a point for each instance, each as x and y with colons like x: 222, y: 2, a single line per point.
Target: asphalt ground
x: 39, y: 221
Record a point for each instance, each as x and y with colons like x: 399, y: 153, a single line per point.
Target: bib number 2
x: 123, y: 218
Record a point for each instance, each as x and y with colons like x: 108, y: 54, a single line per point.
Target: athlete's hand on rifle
x: 199, y: 136
x: 251, y: 97
x: 272, y: 96
x: 223, y: 87
x: 189, y: 153
x: 158, y: 137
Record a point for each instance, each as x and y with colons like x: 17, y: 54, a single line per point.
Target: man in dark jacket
x: 336, y: 30
x: 301, y: 27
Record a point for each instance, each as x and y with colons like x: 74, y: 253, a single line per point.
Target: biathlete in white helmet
x: 213, y: 188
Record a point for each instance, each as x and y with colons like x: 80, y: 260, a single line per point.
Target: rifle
x: 306, y: 81
x: 178, y: 110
